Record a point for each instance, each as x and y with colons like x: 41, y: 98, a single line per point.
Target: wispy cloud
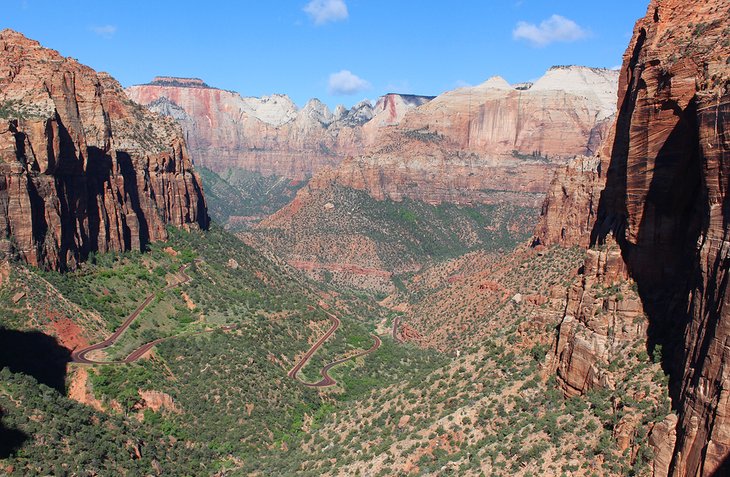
x: 346, y: 83
x: 554, y: 29
x: 325, y: 11
x: 105, y: 31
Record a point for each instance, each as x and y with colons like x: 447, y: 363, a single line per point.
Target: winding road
x: 79, y: 356
x: 327, y: 380
x: 396, y: 322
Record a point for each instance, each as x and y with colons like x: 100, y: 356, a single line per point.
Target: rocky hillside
x: 83, y: 168
x: 665, y: 206
x: 342, y: 236
x: 454, y: 149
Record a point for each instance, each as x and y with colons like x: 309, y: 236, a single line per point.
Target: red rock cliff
x: 82, y: 168
x: 666, y: 204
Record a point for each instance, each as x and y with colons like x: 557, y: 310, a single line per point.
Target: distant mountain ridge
x: 272, y: 136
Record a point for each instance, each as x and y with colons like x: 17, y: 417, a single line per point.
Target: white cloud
x: 105, y: 31
x: 555, y: 28
x: 324, y: 11
x: 616, y: 68
x: 345, y: 83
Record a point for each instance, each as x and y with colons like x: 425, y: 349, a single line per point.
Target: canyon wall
x: 564, y: 113
x: 269, y: 135
x: 665, y: 167
x: 83, y: 168
x: 471, y: 145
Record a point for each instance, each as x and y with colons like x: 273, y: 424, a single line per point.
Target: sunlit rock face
x: 83, y: 168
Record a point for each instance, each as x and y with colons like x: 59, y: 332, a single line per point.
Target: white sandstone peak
x: 599, y: 83
x: 495, y: 82
x: 277, y: 109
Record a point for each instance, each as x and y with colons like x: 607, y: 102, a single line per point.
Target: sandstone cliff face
x: 471, y: 145
x: 569, y: 209
x: 487, y: 144
x: 665, y: 203
x: 82, y: 168
x: 603, y: 318
x: 436, y: 174
x: 565, y: 113
x: 269, y: 135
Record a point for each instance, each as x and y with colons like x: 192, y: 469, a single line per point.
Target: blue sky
x: 339, y: 51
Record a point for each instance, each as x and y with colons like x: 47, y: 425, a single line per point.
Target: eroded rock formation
x: 666, y: 166
x: 83, y: 168
x: 569, y: 210
x: 269, y: 135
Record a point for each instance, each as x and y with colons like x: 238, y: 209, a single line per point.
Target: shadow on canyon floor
x: 10, y: 439
x: 35, y: 354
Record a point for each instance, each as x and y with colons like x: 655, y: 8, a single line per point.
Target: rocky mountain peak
x: 318, y: 111
x: 598, y: 83
x: 495, y: 82
x: 358, y: 115
x: 277, y: 109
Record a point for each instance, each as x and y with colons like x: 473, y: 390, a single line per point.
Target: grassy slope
x: 400, y: 409
x: 339, y: 225
x: 239, y: 193
x: 234, y: 381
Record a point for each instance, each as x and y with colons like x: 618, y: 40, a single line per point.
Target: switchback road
x: 79, y: 356
x: 327, y: 380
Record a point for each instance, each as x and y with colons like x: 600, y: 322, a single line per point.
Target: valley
x: 501, y: 279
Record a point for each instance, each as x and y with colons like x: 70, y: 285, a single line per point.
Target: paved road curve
x: 79, y: 356
x: 327, y: 380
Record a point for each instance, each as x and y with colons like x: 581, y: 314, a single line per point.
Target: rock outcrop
x: 83, y: 168
x: 570, y: 207
x: 603, y: 318
x: 665, y: 166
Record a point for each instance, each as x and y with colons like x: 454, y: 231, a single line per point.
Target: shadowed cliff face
x: 82, y: 168
x: 666, y: 203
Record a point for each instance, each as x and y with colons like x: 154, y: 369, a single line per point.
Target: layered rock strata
x: 471, y: 145
x: 665, y: 203
x: 83, y: 168
x: 570, y: 207
x: 269, y: 135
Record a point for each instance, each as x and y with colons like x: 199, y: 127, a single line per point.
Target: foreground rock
x: 665, y: 203
x: 82, y: 168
